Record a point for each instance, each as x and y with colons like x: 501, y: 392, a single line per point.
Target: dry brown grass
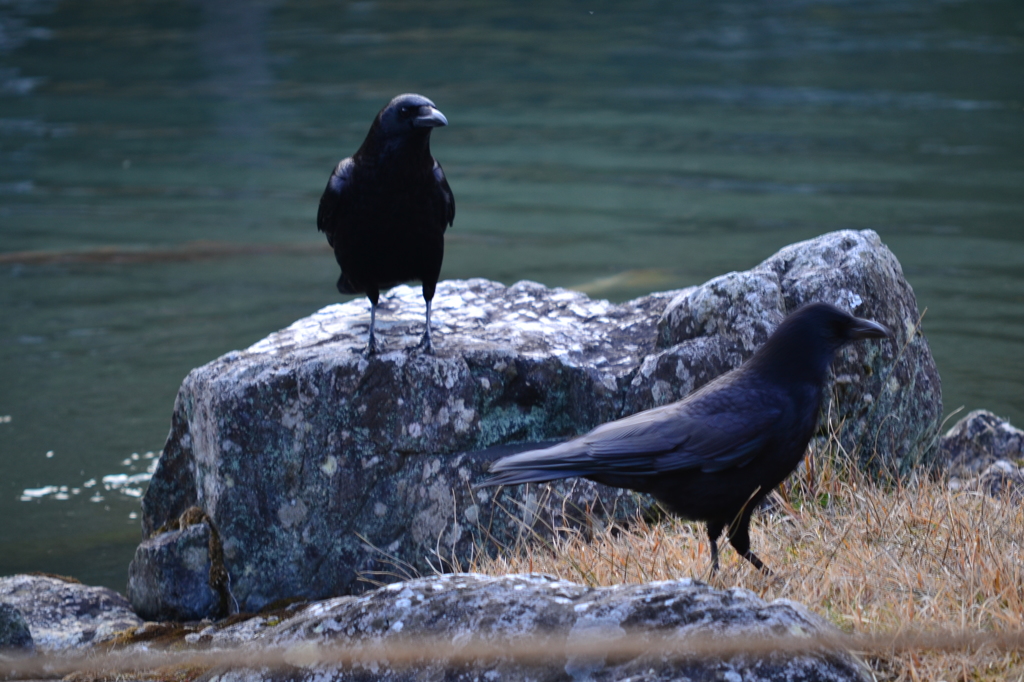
x: 870, y: 558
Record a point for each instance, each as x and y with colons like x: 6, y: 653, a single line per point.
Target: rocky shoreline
x: 311, y: 465
x: 297, y: 466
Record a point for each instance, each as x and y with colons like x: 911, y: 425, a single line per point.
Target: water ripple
x: 129, y: 484
x: 769, y: 96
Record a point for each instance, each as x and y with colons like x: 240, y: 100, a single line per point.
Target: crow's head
x: 408, y: 114
x: 805, y: 343
x: 836, y: 327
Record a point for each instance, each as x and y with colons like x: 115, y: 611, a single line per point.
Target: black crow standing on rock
x: 714, y: 455
x: 386, y: 208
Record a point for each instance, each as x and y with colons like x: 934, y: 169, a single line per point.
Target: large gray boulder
x: 64, y: 615
x: 316, y: 467
x: 455, y: 611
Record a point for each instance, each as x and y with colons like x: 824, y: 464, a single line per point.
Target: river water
x: 161, y: 163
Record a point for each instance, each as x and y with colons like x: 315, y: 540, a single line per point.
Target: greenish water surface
x: 161, y: 163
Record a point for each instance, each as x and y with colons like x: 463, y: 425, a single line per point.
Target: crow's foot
x: 371, y: 349
x: 424, y: 346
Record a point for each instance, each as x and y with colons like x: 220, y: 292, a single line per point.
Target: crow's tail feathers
x: 518, y: 476
x: 537, y: 466
x: 523, y: 476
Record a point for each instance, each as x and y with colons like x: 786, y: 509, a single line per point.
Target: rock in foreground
x: 461, y: 627
x: 312, y: 466
x: 459, y: 609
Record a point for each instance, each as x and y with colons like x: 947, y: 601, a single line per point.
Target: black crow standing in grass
x: 714, y: 455
x: 386, y: 208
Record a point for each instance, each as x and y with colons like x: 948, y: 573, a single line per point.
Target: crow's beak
x: 866, y: 329
x: 429, y: 117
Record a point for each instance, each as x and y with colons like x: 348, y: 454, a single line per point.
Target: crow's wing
x: 331, y: 215
x: 722, y: 429
x: 446, y: 194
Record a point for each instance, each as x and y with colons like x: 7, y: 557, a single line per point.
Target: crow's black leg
x: 371, y: 346
x: 739, y: 538
x: 425, y: 343
x: 429, y: 287
x: 758, y: 564
x: 714, y: 530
